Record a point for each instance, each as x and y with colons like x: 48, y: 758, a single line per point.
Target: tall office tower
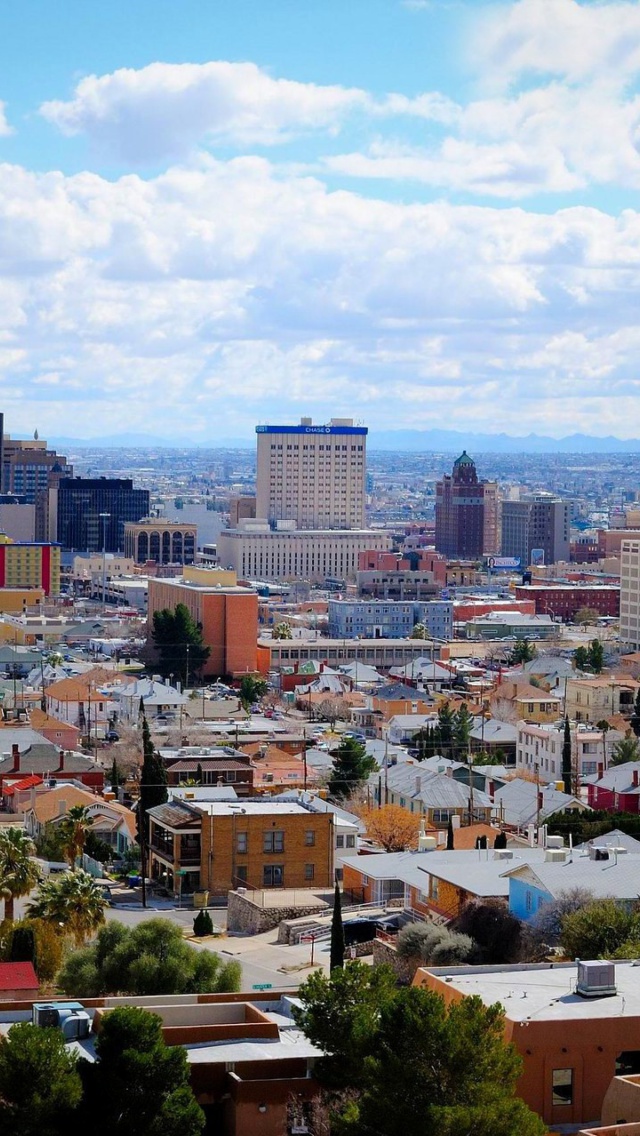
x: 539, y: 521
x: 30, y: 469
x: 312, y: 475
x: 91, y: 512
x: 467, y: 517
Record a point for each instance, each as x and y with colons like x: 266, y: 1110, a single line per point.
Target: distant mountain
x: 454, y: 441
x: 414, y: 441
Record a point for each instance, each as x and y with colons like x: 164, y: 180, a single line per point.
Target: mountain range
x: 410, y: 441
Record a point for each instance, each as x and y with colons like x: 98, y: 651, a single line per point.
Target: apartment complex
x: 90, y: 513
x: 563, y: 601
x: 539, y: 749
x: 467, y: 516
x: 389, y: 619
x: 220, y: 845
x: 630, y: 593
x: 539, y: 523
x: 227, y: 614
x: 257, y: 552
x: 165, y: 542
x: 312, y: 475
x: 30, y: 565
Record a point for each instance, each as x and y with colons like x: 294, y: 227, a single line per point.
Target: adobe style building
x: 228, y: 615
x: 215, y: 846
x: 572, y: 1044
x: 467, y: 517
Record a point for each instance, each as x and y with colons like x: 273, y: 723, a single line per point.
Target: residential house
x: 61, y: 734
x: 617, y: 790
x: 600, y: 697
x: 603, y: 872
x: 218, y: 845
x: 31, y: 753
x: 156, y: 697
x: 495, y: 737
x: 18, y: 980
x: 520, y: 803
x: 275, y: 770
x: 80, y: 702
x: 112, y: 822
x: 209, y: 765
x: 438, y: 797
x: 515, y: 701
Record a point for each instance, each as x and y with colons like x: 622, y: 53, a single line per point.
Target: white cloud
x: 165, y: 109
x: 5, y: 128
x: 558, y: 37
x: 152, y: 305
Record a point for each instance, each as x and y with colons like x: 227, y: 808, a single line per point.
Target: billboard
x: 504, y: 563
x: 537, y: 557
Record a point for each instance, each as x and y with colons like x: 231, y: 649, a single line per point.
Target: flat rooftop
x: 545, y: 991
x: 261, y: 807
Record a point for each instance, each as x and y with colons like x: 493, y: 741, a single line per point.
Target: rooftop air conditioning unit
x: 598, y: 853
x: 596, y: 979
x: 503, y: 854
x: 555, y: 855
x: 555, y: 842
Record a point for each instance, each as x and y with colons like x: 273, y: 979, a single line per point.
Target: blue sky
x: 220, y: 212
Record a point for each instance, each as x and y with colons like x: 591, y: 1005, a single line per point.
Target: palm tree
x: 627, y: 749
x: 72, y: 901
x: 73, y: 830
x: 18, y: 872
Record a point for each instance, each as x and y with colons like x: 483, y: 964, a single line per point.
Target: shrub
x: 202, y: 924
x: 433, y: 944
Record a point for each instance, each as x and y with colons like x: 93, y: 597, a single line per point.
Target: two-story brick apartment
x: 216, y: 845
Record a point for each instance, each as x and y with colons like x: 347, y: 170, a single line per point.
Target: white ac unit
x: 555, y: 855
x: 596, y: 979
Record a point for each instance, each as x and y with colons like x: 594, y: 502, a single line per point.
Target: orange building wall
x: 229, y: 623
x: 219, y: 836
x: 589, y: 1050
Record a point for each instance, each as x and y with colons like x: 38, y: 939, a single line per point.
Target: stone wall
x: 403, y: 968
x: 244, y: 917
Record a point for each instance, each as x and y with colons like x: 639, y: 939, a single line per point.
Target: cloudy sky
x: 215, y: 213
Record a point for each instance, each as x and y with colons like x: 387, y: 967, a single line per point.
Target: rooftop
x: 543, y: 991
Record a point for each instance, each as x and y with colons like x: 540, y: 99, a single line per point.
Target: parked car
x: 112, y: 736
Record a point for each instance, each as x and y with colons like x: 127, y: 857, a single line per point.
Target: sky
x: 415, y: 213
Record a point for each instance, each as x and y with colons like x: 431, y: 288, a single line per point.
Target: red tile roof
x: 18, y: 976
x: 25, y: 783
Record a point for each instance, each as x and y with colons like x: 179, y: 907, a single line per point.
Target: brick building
x: 563, y: 601
x: 228, y: 616
x: 467, y: 512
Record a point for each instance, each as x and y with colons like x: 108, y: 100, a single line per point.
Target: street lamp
x: 105, y: 517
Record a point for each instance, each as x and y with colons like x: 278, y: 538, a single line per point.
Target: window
x: 310, y: 838
x: 433, y: 888
x: 309, y: 871
x: 628, y: 1063
x: 340, y: 841
x: 273, y: 875
x: 241, y: 842
x: 273, y: 841
x: 241, y: 874
x: 562, y: 1086
x: 351, y: 842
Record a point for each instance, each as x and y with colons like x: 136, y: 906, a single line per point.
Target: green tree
x: 282, y: 630
x: 351, y: 767
x: 523, y: 651
x: 40, y: 1088
x: 627, y: 749
x: 450, y: 836
x: 495, y: 931
x: 116, y: 778
x: 596, y: 656
x: 567, y: 764
x: 337, y: 933
x: 598, y: 930
x: 419, y: 631
x: 74, y: 829
x: 434, y: 1069
x: 202, y: 924
x: 581, y: 658
x: 251, y: 690
x: 462, y: 727
x: 139, y: 1084
x: 434, y: 945
x: 635, y: 717
x: 50, y: 843
x: 153, y: 781
x: 152, y: 958
x: 340, y: 1014
x: 18, y: 871
x: 586, y: 615
x: 444, y: 734
x: 178, y: 641
x: 72, y: 901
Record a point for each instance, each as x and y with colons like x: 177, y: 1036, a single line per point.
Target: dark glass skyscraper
x: 82, y: 500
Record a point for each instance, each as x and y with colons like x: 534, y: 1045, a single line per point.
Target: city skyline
x: 415, y: 213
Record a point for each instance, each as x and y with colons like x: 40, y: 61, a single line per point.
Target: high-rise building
x: 312, y: 475
x: 90, y: 513
x: 30, y: 565
x: 540, y: 521
x: 29, y: 469
x: 630, y: 593
x: 467, y: 517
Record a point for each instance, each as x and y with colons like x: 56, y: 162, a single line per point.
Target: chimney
x: 62, y: 808
x: 600, y: 770
x: 60, y: 768
x: 635, y: 778
x: 419, y: 784
x: 33, y: 797
x: 15, y: 753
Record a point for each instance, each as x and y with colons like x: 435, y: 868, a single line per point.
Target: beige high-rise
x: 312, y: 475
